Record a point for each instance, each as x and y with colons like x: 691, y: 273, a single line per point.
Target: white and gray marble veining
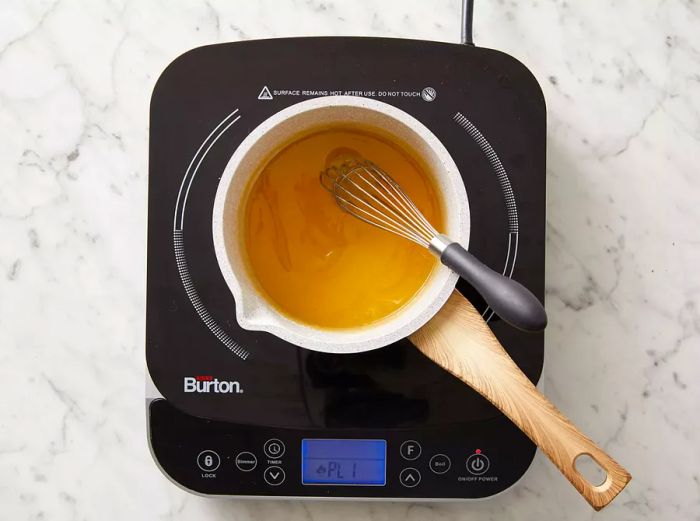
x: 622, y: 83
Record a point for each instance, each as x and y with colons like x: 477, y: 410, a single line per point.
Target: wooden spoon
x: 458, y: 339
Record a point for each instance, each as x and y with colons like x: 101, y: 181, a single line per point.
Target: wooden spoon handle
x: 459, y: 340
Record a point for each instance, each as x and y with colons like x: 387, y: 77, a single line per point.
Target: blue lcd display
x: 343, y: 462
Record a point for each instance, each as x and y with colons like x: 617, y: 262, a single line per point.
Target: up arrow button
x: 409, y: 477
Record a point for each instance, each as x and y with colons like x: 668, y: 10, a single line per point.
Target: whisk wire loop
x: 403, y: 200
x: 364, y: 190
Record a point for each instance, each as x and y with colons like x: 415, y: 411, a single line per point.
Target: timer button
x: 409, y: 477
x: 274, y: 476
x: 246, y: 461
x: 440, y: 464
x: 410, y: 450
x: 274, y: 448
x: 478, y: 464
x: 208, y: 460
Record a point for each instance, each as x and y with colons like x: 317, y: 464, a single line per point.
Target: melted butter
x: 315, y: 263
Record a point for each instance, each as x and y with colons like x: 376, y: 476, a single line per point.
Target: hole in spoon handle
x: 587, y: 466
x: 599, y: 492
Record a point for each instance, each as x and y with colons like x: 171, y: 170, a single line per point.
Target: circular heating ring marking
x: 178, y: 239
x: 511, y: 208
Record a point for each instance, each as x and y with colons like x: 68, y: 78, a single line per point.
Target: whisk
x: 365, y: 191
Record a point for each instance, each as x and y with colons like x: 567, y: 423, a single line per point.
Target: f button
x: 410, y: 450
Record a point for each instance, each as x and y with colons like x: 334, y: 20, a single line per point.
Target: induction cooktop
x: 241, y: 413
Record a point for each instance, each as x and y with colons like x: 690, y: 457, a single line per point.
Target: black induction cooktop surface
x: 218, y: 379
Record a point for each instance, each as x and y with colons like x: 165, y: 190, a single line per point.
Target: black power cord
x: 467, y: 22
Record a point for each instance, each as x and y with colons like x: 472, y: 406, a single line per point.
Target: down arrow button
x: 274, y: 476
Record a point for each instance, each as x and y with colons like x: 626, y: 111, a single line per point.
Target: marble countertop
x: 622, y: 83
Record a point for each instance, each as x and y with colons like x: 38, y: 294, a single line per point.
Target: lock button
x: 208, y: 460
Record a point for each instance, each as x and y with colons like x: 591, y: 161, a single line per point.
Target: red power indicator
x: 477, y: 451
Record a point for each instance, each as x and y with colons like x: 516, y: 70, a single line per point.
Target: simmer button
x: 246, y: 461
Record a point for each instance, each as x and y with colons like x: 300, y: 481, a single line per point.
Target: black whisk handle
x: 509, y: 299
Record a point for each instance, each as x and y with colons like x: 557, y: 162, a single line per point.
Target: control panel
x: 219, y: 458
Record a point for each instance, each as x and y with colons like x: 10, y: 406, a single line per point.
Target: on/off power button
x: 478, y: 463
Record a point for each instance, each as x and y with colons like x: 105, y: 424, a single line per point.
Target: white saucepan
x: 252, y: 310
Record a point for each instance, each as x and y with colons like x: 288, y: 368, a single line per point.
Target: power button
x: 478, y: 464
